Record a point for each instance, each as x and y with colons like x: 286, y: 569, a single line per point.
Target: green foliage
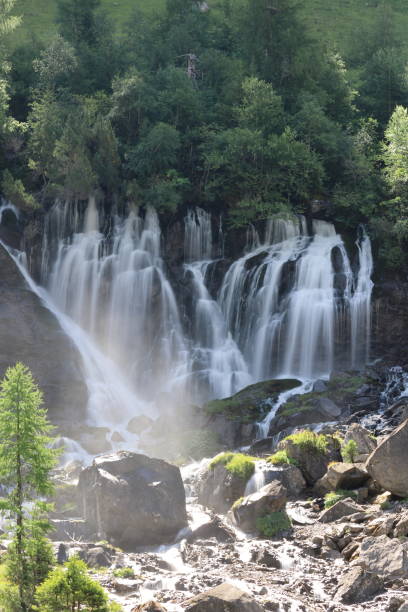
x: 14, y: 191
x: 273, y: 524
x: 26, y: 461
x: 349, y: 451
x: 281, y: 458
x: 334, y: 496
x: 310, y: 441
x: 239, y: 465
x: 124, y: 572
x: 71, y: 588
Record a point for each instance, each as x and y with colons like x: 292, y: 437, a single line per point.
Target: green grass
x: 281, y: 458
x: 39, y: 15
x: 273, y: 524
x: 241, y: 466
x: 334, y: 496
x: 124, y: 572
x: 310, y: 441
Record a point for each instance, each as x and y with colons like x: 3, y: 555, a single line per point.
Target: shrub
x: 349, y: 451
x: 241, y: 466
x: 334, y: 496
x: 274, y: 523
x: 281, y: 458
x: 71, y: 588
x: 124, y: 572
x: 310, y: 441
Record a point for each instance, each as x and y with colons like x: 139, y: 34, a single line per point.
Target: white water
x: 279, y: 310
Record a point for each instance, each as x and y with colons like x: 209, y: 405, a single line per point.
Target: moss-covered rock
x: 251, y: 404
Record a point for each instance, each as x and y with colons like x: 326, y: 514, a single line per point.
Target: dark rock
x: 223, y: 598
x: 384, y: 464
x: 149, y: 606
x: 289, y: 476
x: 215, y: 528
x: 131, y: 499
x: 98, y: 557
x: 266, y: 557
x: 357, y: 585
x: 62, y: 554
x: 271, y: 498
x: 234, y: 418
x: 30, y: 333
x: 220, y: 489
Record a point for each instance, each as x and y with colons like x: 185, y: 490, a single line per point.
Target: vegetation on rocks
x: 333, y: 497
x: 241, y: 466
x: 273, y: 524
x: 309, y: 441
x: 281, y: 458
x: 349, y: 451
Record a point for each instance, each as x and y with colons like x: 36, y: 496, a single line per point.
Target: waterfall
x: 114, y: 287
x: 293, y: 305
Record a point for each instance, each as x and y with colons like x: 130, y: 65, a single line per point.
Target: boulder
x: 362, y: 437
x: 401, y: 527
x: 342, y: 476
x: 32, y: 334
x: 271, y: 498
x: 214, y: 528
x: 384, y: 463
x: 313, y: 464
x: 344, y: 507
x: 358, y: 585
x: 139, y: 424
x: 299, y: 411
x: 150, y: 606
x: 234, y: 418
x: 98, y: 557
x: 220, y: 488
x: 289, y: 476
x: 131, y: 499
x: 384, y: 556
x: 223, y: 598
x: 263, y: 556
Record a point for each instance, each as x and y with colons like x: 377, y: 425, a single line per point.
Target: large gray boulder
x: 344, y: 507
x: 220, y: 488
x: 358, y: 585
x: 271, y: 498
x: 31, y: 334
x: 342, y: 476
x: 363, y: 438
x: 131, y: 499
x: 289, y: 476
x: 223, y: 598
x: 388, y: 463
x: 384, y: 556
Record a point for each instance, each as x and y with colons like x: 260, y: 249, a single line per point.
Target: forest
x: 238, y: 106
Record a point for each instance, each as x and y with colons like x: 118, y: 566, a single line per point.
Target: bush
x: 14, y: 191
x: 273, y: 524
x: 281, y: 458
x: 124, y: 572
x: 309, y: 440
x: 241, y: 466
x: 71, y: 588
x: 334, y: 496
x: 349, y: 451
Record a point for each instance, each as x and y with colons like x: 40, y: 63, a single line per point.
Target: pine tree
x: 26, y: 461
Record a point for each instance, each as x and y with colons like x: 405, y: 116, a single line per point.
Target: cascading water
x: 278, y: 311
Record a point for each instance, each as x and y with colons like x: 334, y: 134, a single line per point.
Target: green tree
x: 77, y: 19
x: 71, y: 588
x: 25, y: 465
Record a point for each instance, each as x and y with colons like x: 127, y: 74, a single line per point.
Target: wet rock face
x: 132, y: 500
x: 387, y: 464
x: 31, y: 334
x: 271, y: 498
x: 220, y: 489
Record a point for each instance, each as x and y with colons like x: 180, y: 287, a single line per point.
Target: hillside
x: 330, y: 19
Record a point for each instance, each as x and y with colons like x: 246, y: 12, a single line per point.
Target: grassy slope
x: 330, y: 19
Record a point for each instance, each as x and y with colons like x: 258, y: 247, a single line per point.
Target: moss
x: 274, y: 523
x: 281, y: 458
x: 310, y: 441
x: 237, y: 503
x: 252, y: 403
x: 334, y: 496
x: 241, y: 466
